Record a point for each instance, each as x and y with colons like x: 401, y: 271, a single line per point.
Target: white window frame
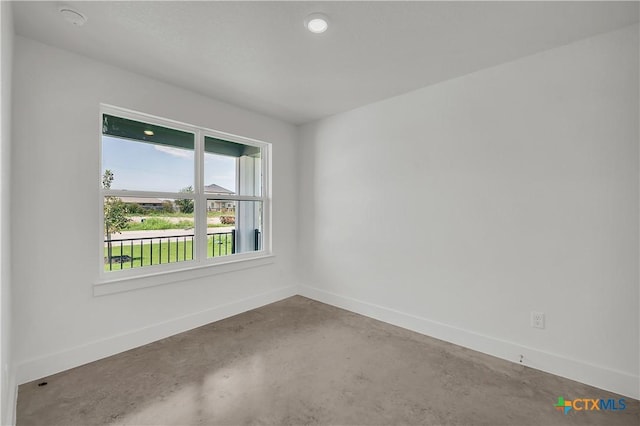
x: 201, y: 263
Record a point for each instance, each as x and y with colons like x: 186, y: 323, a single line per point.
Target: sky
x: 148, y: 167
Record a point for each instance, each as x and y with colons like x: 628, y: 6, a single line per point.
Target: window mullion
x: 151, y: 194
x: 265, y: 180
x: 201, y: 201
x: 235, y: 197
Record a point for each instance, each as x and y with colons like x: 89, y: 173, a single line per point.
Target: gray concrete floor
x: 303, y: 362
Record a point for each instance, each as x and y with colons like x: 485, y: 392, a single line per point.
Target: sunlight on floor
x: 223, y: 393
x: 234, y: 389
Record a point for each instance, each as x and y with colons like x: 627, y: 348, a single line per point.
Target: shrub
x: 228, y: 220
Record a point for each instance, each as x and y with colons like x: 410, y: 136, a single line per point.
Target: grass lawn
x: 160, y: 223
x: 155, y: 223
x: 165, y: 252
x: 180, y: 214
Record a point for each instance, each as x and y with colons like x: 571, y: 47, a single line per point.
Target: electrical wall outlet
x: 537, y: 319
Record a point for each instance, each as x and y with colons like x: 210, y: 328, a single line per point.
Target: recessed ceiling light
x: 148, y: 132
x: 317, y: 23
x: 73, y: 16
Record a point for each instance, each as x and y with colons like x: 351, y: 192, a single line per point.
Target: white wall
x: 459, y: 208
x: 454, y: 210
x: 7, y: 376
x: 58, y: 322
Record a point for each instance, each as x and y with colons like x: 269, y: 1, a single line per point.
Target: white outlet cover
x: 537, y: 319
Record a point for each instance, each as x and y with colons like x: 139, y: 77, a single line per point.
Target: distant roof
x: 216, y: 189
x: 141, y: 200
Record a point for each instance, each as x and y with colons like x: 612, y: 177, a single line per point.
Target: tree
x: 115, y: 212
x: 185, y: 204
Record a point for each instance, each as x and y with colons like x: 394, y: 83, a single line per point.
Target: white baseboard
x: 9, y: 417
x: 598, y: 376
x: 601, y: 377
x: 53, y: 363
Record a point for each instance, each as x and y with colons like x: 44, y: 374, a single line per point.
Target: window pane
x: 233, y: 227
x: 219, y: 174
x: 146, y: 157
x: 232, y: 168
x: 143, y: 231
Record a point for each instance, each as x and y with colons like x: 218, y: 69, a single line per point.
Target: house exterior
x: 218, y: 205
x: 145, y: 202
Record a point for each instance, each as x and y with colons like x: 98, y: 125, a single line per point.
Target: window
x: 176, y: 196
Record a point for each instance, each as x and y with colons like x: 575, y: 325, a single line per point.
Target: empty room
x: 320, y: 213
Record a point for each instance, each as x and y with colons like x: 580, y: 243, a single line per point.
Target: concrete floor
x: 303, y: 362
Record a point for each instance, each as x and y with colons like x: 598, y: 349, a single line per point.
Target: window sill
x: 119, y: 285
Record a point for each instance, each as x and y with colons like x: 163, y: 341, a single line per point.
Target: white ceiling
x: 259, y: 56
